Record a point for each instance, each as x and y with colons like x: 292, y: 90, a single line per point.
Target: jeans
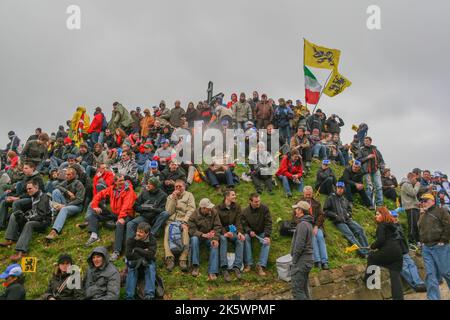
x: 319, y: 150
x: 354, y: 233
x: 263, y: 255
x: 23, y: 237
x: 213, y: 264
x: 149, y: 278
x: 64, y: 213
x: 214, y: 179
x: 320, y: 247
x: 93, y: 139
x: 299, y: 283
x: 51, y: 185
x: 437, y: 265
x: 157, y: 224
x: 374, y: 180
x: 286, y: 184
x: 55, y: 162
x: 238, y: 252
x: 21, y: 204
x: 410, y: 272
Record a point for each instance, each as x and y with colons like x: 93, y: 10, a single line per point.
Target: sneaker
x: 183, y: 265
x: 114, y: 256
x: 247, y: 269
x: 52, y: 235
x: 226, y: 275
x: 91, y: 240
x: 325, y: 266
x: 212, y: 277
x: 237, y: 272
x: 289, y: 195
x: 170, y: 264
x: 420, y: 288
x: 195, y: 271
x: 317, y: 265
x: 260, y: 271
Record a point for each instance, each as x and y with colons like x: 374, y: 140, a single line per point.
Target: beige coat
x: 180, y: 209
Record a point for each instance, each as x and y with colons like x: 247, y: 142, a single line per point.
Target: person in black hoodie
x: 21, y: 225
x: 58, y: 288
x: 302, y: 251
x: 389, y: 250
x: 13, y: 282
x: 151, y: 207
x: 353, y: 179
x: 141, y: 253
x: 325, y: 178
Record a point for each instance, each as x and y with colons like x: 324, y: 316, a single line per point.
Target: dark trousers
x: 259, y: 181
x: 351, y: 190
x: 396, y: 285
x: 23, y: 233
x: 413, y: 230
x: 299, y: 282
x: 390, y: 194
x: 326, y: 187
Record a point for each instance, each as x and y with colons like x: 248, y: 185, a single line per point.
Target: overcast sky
x: 139, y: 52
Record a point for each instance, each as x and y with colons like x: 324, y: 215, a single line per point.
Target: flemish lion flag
x: 337, y: 84
x: 312, y: 87
x: 321, y: 57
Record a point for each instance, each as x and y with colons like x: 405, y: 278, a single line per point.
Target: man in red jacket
x: 103, y: 178
x: 291, y: 171
x: 121, y: 199
x: 96, y: 127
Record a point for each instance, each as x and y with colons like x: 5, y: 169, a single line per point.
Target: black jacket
x: 57, y: 288
x: 36, y: 176
x: 151, y: 204
x: 388, y: 244
x: 370, y: 165
x: 74, y: 186
x: 14, y: 291
x: 88, y: 158
x: 141, y: 252
x: 257, y: 220
x: 314, y: 122
x: 351, y: 178
x: 333, y: 126
x: 337, y: 209
x: 40, y: 208
x: 229, y: 216
x: 322, y: 175
x: 301, y: 247
x: 166, y: 174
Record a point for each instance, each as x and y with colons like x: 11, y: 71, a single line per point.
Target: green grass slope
x: 184, y: 286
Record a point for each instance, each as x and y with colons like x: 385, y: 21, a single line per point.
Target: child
x: 140, y: 253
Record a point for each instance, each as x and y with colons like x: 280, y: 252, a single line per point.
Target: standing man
x: 176, y: 115
x: 434, y: 231
x: 242, y: 112
x: 302, y: 251
x: 263, y: 112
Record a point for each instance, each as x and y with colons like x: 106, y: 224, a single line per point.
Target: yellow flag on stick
x: 351, y: 249
x: 336, y: 84
x: 321, y: 57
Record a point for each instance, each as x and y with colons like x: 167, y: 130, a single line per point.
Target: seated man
x: 144, y: 157
x: 301, y: 143
x: 151, y: 208
x: 86, y: 159
x: 257, y: 223
x: 230, y: 218
x: 68, y: 199
x: 318, y: 149
x: 141, y: 255
x: 260, y: 170
x: 353, y: 179
x: 325, y: 178
x: 164, y: 154
x: 180, y: 205
x: 121, y: 199
x: 389, y: 184
x: 291, y: 171
x: 152, y: 172
x: 103, y: 178
x: 339, y: 210
x: 34, y: 216
x: 204, y: 227
x: 219, y: 172
x: 127, y: 167
x: 36, y: 150
x: 170, y: 175
x: 102, y: 280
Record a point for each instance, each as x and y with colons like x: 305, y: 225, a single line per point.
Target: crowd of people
x: 126, y: 175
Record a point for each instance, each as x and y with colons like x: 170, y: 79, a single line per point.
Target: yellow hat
x: 427, y: 196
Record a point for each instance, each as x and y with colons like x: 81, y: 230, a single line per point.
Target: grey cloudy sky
x: 139, y: 52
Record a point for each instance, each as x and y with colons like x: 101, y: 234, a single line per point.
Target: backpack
x: 176, y: 237
x: 287, y: 228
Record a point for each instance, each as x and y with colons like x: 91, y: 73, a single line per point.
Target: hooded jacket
x: 102, y: 283
x: 288, y: 169
x: 301, y: 246
x: 107, y: 176
x: 338, y: 209
x: 409, y: 194
x: 200, y: 223
x: 151, y: 203
x: 334, y: 126
x: 146, y: 123
x: 121, y: 201
x: 97, y: 123
x: 120, y: 118
x: 57, y: 288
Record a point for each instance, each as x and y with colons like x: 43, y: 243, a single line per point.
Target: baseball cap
x: 302, y: 205
x: 206, y: 203
x: 427, y: 196
x: 65, y: 258
x: 357, y: 163
x: 153, y: 164
x: 12, y: 270
x: 394, y: 213
x: 165, y: 141
x: 340, y: 184
x: 326, y: 162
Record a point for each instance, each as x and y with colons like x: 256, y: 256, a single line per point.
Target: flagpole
x: 323, y: 88
x: 306, y: 102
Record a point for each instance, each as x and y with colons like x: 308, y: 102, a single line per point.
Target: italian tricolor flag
x: 312, y: 87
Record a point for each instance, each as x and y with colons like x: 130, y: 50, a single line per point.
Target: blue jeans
x: 374, y: 180
x: 51, y: 185
x: 437, y: 266
x: 238, y: 252
x: 319, y: 150
x: 410, y: 272
x: 65, y: 212
x: 214, y: 181
x: 149, y: 278
x: 55, y: 162
x: 263, y: 255
x: 320, y: 247
x: 93, y: 139
x: 213, y: 264
x: 159, y: 221
x: 355, y: 234
x: 286, y: 184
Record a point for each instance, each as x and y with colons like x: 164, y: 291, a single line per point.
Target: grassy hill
x: 184, y: 286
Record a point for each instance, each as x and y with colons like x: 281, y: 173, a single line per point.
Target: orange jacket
x: 121, y: 202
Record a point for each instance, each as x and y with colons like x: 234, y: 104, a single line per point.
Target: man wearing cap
x: 151, y: 208
x: 152, y: 172
x: 205, y: 227
x: 242, y: 112
x: 164, y: 154
x: 257, y: 224
x: 353, y: 179
x: 170, y: 175
x: 263, y: 112
x: 302, y: 251
x: 325, y: 178
x: 338, y: 209
x: 434, y: 232
x: 13, y: 282
x: 13, y: 144
x: 371, y: 164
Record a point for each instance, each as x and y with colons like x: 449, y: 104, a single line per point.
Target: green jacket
x: 120, y: 118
